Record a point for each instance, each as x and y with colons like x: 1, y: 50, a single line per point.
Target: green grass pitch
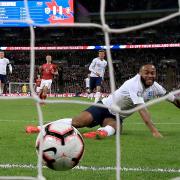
x: 138, y: 148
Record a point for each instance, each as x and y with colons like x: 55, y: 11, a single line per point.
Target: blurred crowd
x: 129, y: 5
x: 73, y: 67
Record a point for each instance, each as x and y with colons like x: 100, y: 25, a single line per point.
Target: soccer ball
x: 63, y: 146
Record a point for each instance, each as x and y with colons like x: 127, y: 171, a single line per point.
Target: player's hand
x: 56, y: 73
x: 177, y: 103
x: 157, y: 134
x: 97, y: 74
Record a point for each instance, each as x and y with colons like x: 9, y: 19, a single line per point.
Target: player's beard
x: 145, y: 84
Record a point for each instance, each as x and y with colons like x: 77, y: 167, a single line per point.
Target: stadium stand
x: 74, y: 64
x: 73, y: 67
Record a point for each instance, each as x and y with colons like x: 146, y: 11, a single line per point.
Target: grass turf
x: 138, y: 148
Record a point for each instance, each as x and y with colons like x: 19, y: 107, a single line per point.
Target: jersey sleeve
x: 162, y: 91
x: 92, y: 65
x: 9, y: 65
x: 8, y: 61
x: 10, y: 68
x: 104, y: 70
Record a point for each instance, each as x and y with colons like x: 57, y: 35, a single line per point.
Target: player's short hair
x: 101, y: 50
x: 141, y: 66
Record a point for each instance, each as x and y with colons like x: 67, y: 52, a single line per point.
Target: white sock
x: 97, y: 97
x: 65, y: 121
x: 109, y: 129
x: 91, y: 96
x: 88, y: 96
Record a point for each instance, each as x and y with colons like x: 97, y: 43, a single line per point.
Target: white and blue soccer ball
x: 62, y: 146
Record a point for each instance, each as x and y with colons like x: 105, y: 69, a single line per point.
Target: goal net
x: 17, y: 87
x: 23, y: 88
x: 20, y: 88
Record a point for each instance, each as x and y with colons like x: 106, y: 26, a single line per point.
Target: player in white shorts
x: 97, y: 68
x: 4, y: 62
x: 132, y: 93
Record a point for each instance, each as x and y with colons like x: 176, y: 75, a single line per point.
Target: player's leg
x: 41, y: 88
x: 0, y: 87
x: 44, y: 92
x: 1, y: 78
x: 108, y: 129
x: 3, y: 81
x: 98, y: 89
x: 102, y: 117
x: 38, y: 90
x: 46, y: 85
x: 98, y: 94
x: 89, y: 118
x: 109, y: 125
x: 92, y: 84
x: 88, y: 92
x: 84, y: 119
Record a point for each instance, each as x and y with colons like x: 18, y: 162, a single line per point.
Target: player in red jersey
x: 38, y: 83
x: 47, y: 71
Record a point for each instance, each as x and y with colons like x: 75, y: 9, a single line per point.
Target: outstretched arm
x: 10, y: 68
x: 173, y: 99
x: 145, y: 115
x: 176, y: 102
x: 40, y: 70
x: 91, y: 67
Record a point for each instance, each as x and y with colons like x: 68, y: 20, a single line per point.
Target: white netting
x: 19, y: 87
x: 106, y: 30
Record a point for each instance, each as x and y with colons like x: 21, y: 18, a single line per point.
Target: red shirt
x: 47, y: 70
x: 38, y: 82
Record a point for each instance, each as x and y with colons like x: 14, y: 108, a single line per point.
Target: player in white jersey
x: 97, y: 68
x: 4, y: 62
x: 132, y: 93
x: 87, y: 84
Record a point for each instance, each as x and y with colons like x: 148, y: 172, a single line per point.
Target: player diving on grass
x: 97, y: 69
x: 132, y: 93
x: 47, y: 72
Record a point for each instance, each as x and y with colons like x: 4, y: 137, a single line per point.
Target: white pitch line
x: 92, y: 168
x: 164, y: 123
x: 17, y: 120
x: 13, y: 120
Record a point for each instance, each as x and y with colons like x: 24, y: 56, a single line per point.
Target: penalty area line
x: 165, y: 123
x: 93, y: 168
